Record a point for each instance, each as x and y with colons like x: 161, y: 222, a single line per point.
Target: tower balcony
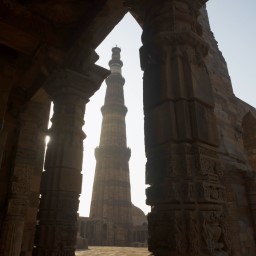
x: 115, y: 78
x: 116, y: 152
x: 114, y: 108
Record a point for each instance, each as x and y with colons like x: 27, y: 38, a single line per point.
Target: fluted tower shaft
x: 111, y: 198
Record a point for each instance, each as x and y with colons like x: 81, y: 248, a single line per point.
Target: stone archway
x: 183, y: 168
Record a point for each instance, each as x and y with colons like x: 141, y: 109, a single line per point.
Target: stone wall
x: 230, y: 112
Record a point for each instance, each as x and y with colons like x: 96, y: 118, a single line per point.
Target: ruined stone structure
x: 112, y: 213
x: 199, y: 138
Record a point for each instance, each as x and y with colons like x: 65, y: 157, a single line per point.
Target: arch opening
x: 125, y: 35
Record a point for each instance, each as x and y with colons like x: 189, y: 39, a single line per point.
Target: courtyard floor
x: 113, y: 251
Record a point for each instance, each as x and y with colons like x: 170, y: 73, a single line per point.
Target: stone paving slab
x: 113, y: 251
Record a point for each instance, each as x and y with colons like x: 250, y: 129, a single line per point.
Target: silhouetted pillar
x: 8, y: 137
x: 20, y: 183
x: 6, y: 80
x: 62, y: 178
x: 183, y: 169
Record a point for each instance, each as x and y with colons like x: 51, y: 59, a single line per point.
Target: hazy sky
x: 233, y: 23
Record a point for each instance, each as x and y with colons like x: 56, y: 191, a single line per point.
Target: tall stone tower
x: 111, y: 198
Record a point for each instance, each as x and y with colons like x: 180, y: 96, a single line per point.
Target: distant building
x: 113, y: 220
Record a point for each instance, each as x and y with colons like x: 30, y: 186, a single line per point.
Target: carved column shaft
x: 6, y: 127
x: 181, y: 137
x: 62, y: 179
x: 6, y: 79
x: 19, y: 186
x: 10, y: 206
x: 40, y: 111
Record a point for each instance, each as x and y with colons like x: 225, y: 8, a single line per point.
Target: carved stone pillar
x: 40, y: 110
x: 6, y: 79
x: 62, y: 179
x: 6, y: 129
x: 19, y: 184
x: 183, y: 169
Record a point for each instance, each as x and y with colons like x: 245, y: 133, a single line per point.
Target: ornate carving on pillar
x: 19, y: 186
x: 62, y: 179
x: 7, y: 75
x: 251, y: 190
x: 13, y: 224
x: 183, y: 169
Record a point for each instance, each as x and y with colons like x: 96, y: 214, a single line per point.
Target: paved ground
x: 114, y: 251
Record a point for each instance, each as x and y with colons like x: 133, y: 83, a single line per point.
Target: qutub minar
x: 113, y: 220
x: 111, y: 198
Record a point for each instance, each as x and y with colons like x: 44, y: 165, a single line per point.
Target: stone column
x: 40, y: 110
x: 8, y: 142
x: 62, y: 178
x: 6, y: 129
x: 181, y: 140
x: 19, y: 183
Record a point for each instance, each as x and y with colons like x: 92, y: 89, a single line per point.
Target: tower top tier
x: 115, y: 63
